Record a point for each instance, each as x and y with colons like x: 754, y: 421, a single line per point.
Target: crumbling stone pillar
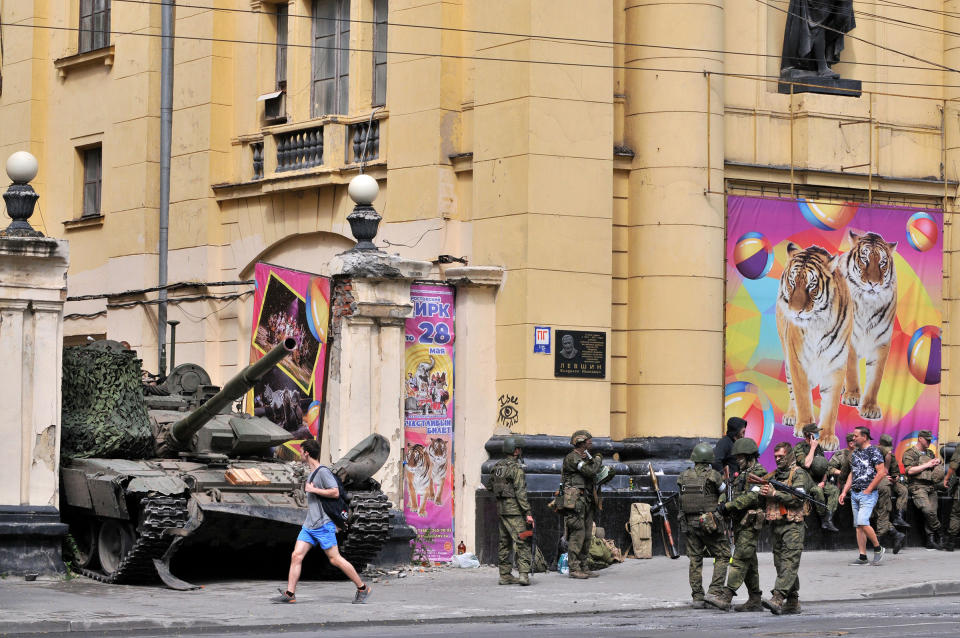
x: 33, y: 289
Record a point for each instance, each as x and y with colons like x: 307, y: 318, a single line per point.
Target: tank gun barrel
x: 183, y: 430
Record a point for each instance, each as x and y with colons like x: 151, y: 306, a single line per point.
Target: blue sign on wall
x: 541, y: 339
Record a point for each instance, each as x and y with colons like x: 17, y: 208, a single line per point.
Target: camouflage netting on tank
x: 103, y: 409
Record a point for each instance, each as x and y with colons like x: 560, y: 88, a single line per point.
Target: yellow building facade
x: 587, y: 147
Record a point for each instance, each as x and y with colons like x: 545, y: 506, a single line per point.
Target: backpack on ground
x: 640, y: 532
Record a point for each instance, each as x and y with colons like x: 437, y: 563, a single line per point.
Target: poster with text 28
x: 833, y: 317
x: 428, y: 421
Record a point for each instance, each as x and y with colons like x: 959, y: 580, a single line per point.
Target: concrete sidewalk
x: 445, y: 594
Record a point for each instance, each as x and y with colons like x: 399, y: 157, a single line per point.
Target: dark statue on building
x: 812, y: 42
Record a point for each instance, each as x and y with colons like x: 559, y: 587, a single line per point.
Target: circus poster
x: 428, y: 421
x: 290, y: 304
x: 840, y: 303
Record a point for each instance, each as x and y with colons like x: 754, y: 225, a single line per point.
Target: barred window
x: 94, y: 25
x: 331, y: 56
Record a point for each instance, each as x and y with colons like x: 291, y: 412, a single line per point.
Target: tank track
x: 158, y: 514
x: 367, y: 529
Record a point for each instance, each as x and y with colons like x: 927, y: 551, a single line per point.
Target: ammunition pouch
x: 569, y: 496
x: 937, y: 474
x: 709, y: 523
x: 752, y: 519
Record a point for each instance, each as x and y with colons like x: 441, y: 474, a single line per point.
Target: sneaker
x: 878, y: 555
x: 284, y: 597
x: 362, y: 595
x: 860, y: 561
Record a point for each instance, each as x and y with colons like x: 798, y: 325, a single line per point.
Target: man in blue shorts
x: 318, y: 529
x: 867, y: 469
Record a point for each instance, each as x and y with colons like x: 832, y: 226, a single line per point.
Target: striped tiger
x: 814, y: 321
x: 872, y: 279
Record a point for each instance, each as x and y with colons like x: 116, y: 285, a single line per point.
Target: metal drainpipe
x: 166, y: 129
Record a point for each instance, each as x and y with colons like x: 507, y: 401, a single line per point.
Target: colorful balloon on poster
x: 318, y: 310
x: 747, y: 401
x: 827, y: 216
x: 923, y: 355
x: 753, y: 255
x: 922, y: 231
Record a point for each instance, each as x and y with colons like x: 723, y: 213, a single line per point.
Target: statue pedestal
x: 816, y: 84
x: 32, y: 293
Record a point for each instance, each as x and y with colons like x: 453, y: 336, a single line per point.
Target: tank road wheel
x: 84, y: 532
x: 114, y: 541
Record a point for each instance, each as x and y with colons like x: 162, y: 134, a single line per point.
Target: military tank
x: 209, y: 477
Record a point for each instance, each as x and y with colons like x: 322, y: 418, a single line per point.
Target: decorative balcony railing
x: 257, y: 148
x: 300, y: 149
x: 363, y: 142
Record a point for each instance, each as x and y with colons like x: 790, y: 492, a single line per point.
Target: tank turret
x: 242, y: 433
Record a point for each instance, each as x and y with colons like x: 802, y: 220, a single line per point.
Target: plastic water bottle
x: 562, y: 565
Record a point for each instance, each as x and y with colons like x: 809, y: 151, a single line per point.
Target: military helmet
x: 702, y: 453
x: 580, y: 436
x: 887, y: 440
x: 511, y: 443
x: 746, y: 445
x: 818, y: 467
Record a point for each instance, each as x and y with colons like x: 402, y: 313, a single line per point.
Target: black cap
x: 735, y: 424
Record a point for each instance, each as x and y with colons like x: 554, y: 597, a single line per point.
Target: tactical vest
x: 775, y: 510
x: 926, y: 476
x: 697, y: 495
x: 502, y: 477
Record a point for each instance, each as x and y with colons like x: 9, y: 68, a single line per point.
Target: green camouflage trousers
x: 743, y: 566
x: 510, y: 528
x: 579, y: 524
x: 924, y: 496
x: 900, y: 493
x: 954, y: 529
x: 828, y: 494
x: 787, y: 540
x: 700, y: 544
x: 883, y: 508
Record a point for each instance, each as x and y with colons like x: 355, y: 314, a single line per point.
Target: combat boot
x: 899, y: 538
x: 721, y: 601
x: 578, y: 574
x: 827, y: 522
x: 899, y: 521
x: 753, y: 603
x: 698, y: 603
x: 775, y: 603
x: 933, y: 542
x: 591, y: 574
x: 524, y: 579
x: 792, y: 606
x: 949, y: 543
x: 508, y: 579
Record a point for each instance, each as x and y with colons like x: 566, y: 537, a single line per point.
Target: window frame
x: 92, y: 38
x: 96, y: 181
x: 381, y: 9
x: 330, y: 95
x: 283, y: 39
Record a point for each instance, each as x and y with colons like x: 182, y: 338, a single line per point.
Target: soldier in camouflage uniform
x: 953, y: 531
x: 747, y: 516
x: 899, y: 498
x: 699, y: 489
x: 921, y: 465
x: 510, y: 488
x: 785, y: 513
x: 579, y: 501
x: 809, y: 456
x: 885, y: 496
x: 838, y: 467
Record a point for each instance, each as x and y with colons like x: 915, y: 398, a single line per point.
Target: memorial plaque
x: 580, y: 354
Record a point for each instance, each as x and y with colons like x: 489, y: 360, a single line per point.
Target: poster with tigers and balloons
x: 428, y: 421
x: 295, y: 304
x: 833, y: 316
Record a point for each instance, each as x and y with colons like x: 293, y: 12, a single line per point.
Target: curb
x: 932, y: 588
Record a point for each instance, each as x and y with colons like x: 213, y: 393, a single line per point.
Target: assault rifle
x: 727, y: 524
x: 660, y: 509
x: 783, y: 487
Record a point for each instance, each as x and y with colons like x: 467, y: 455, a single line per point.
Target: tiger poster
x: 428, y: 421
x: 833, y: 317
x: 290, y: 304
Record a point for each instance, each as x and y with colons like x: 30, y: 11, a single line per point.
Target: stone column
x: 475, y: 399
x: 365, y: 386
x: 32, y: 292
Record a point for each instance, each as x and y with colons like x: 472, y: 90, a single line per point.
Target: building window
x: 92, y: 181
x: 331, y: 56
x: 94, y: 25
x: 379, y: 52
x: 282, y: 12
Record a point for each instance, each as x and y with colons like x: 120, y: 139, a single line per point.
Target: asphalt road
x: 939, y: 616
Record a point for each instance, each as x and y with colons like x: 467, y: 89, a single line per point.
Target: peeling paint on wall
x: 45, y: 446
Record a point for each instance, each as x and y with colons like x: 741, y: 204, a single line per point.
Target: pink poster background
x: 290, y: 303
x: 428, y: 419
